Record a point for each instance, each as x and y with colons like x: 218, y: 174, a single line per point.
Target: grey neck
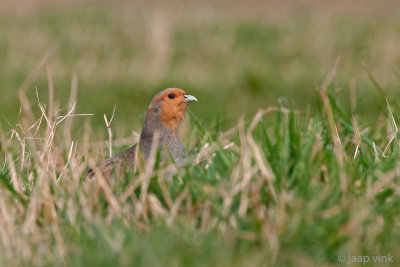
x: 167, y: 138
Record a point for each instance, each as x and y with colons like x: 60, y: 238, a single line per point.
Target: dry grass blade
x: 357, y: 136
x: 340, y: 155
x: 23, y: 146
x: 145, y: 178
x: 177, y: 203
x: 396, y: 130
x: 262, y: 163
x: 51, y: 93
x: 329, y: 113
x: 156, y: 207
x: 112, y: 200
x: 376, y: 152
x: 14, y: 176
x: 72, y: 99
x: 108, y: 124
x: 245, y: 162
x: 206, y: 214
x: 164, y: 190
x: 68, y: 159
x: 33, y: 74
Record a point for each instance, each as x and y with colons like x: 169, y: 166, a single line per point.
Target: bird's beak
x: 189, y: 98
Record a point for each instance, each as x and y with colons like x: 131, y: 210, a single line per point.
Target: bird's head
x: 169, y: 107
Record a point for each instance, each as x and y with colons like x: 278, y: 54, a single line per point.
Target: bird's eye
x: 171, y: 96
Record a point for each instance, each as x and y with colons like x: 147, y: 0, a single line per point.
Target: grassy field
x: 293, y: 147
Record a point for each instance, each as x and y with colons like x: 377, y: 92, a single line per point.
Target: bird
x: 163, y: 117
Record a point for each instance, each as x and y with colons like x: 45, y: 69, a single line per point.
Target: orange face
x: 173, y: 95
x: 173, y: 103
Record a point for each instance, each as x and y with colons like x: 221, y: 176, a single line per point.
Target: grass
x: 283, y: 186
x: 286, y: 182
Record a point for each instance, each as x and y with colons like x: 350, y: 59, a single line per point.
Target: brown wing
x: 128, y: 157
x: 125, y: 158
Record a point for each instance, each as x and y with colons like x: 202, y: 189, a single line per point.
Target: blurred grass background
x: 236, y: 57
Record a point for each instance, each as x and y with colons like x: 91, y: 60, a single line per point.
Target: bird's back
x: 123, y: 159
x: 127, y: 157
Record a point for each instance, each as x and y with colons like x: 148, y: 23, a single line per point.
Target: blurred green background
x: 235, y: 57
